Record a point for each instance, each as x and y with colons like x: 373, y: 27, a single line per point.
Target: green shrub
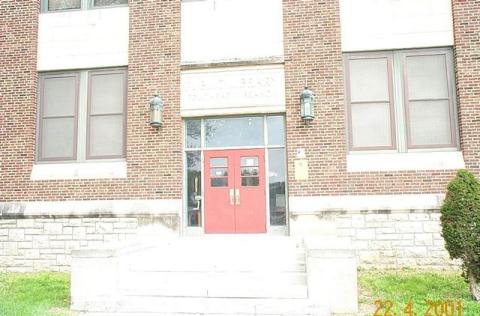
x: 461, y: 226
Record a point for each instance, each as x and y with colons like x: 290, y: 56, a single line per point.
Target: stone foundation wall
x: 45, y: 244
x: 382, y: 239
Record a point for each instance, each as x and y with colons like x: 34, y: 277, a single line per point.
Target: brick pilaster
x: 467, y: 56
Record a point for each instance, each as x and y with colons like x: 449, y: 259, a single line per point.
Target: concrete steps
x: 218, y: 267
x: 194, y: 260
x: 211, y: 275
x: 216, y: 307
x: 215, y: 284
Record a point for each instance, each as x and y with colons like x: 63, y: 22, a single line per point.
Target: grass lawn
x: 38, y: 294
x: 43, y: 294
x: 401, y: 286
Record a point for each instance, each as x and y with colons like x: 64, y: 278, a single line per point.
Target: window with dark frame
x: 428, y: 98
x: 82, y: 115
x: 58, y: 117
x: 371, y: 119
x: 106, y: 114
x: 400, y: 100
x: 60, y: 5
x: 104, y: 3
x: 63, y: 5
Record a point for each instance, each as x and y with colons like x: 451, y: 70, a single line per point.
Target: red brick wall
x: 18, y: 86
x: 313, y: 52
x: 467, y: 52
x: 154, y: 160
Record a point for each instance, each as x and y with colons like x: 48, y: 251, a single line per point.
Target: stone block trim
x: 46, y: 244
x: 396, y: 240
x: 379, y: 239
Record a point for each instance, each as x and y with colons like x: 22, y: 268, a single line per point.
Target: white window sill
x: 78, y: 171
x: 405, y: 161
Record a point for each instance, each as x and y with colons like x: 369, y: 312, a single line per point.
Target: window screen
x: 429, y: 106
x: 57, y: 118
x: 106, y: 114
x: 370, y: 103
x: 56, y: 5
x: 104, y: 3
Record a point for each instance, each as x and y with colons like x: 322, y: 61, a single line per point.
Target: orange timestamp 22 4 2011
x: 432, y: 308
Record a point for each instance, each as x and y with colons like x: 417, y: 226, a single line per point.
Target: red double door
x: 235, y: 191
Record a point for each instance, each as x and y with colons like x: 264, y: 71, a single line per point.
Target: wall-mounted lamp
x: 156, y: 111
x: 307, y: 98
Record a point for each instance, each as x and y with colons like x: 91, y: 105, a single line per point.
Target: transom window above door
x: 82, y: 115
x: 234, y: 132
x: 401, y: 100
x: 254, y: 131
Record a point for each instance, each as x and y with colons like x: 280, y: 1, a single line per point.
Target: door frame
x: 198, y: 231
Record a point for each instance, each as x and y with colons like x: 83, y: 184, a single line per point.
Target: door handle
x: 237, y: 196
x: 232, y: 197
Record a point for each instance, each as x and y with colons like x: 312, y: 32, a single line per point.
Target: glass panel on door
x: 276, y: 179
x: 194, y: 189
x: 249, y: 171
x: 219, y: 172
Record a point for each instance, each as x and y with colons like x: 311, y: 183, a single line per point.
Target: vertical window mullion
x: 391, y: 93
x: 400, y: 119
x: 82, y: 118
x: 202, y: 134
x: 453, y: 97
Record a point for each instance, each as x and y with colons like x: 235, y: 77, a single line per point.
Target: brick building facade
x: 385, y: 202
